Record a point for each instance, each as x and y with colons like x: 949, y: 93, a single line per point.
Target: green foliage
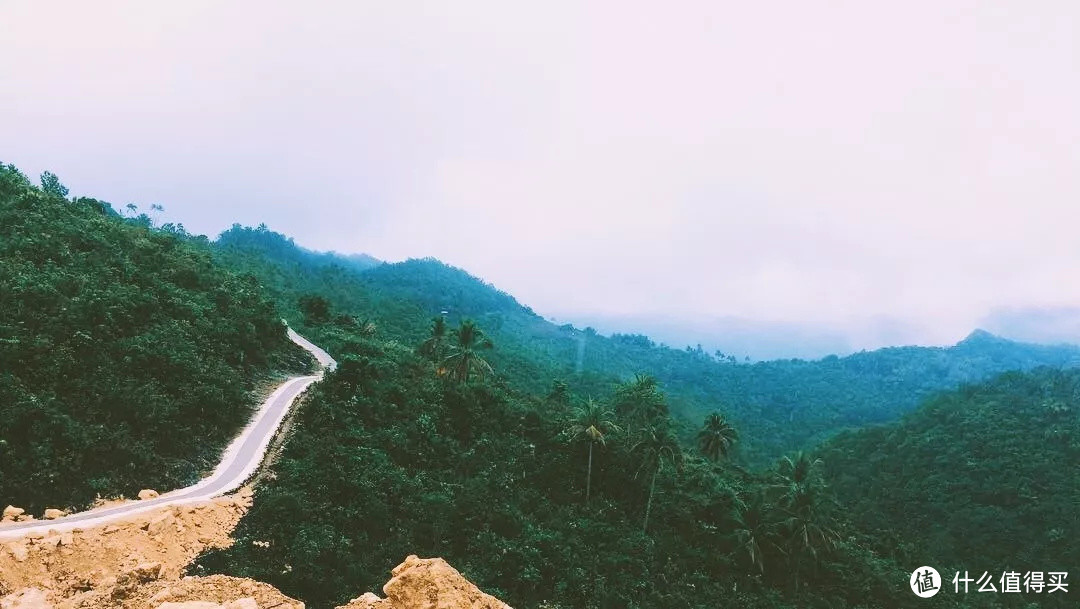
x: 463, y: 359
x: 716, y: 438
x: 129, y: 354
x: 387, y: 459
x: 51, y: 186
x: 592, y: 422
x: 778, y: 406
x: 316, y: 309
x: 127, y: 357
x: 982, y: 478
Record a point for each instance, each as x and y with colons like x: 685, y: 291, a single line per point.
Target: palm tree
x: 798, y: 474
x: 592, y: 422
x: 464, y: 358
x: 432, y: 348
x: 640, y: 403
x: 755, y: 530
x: 657, y: 446
x: 807, y: 529
x: 716, y: 437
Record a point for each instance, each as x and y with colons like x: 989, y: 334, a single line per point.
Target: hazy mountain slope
x: 127, y: 357
x: 779, y: 406
x: 981, y: 478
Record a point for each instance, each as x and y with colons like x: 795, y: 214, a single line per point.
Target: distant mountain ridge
x: 779, y: 406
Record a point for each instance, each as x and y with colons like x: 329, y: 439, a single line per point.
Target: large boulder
x: 147, y: 493
x: 427, y: 583
x: 53, y: 514
x: 11, y: 512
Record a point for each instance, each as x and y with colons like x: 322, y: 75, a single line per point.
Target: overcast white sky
x: 841, y: 164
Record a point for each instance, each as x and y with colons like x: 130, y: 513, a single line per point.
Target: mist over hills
x: 393, y: 454
x: 779, y: 405
x: 738, y: 337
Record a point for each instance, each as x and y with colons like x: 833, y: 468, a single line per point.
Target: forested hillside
x: 780, y: 406
x: 981, y: 479
x: 553, y: 501
x: 128, y: 357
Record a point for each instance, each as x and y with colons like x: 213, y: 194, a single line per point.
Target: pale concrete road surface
x: 238, y: 462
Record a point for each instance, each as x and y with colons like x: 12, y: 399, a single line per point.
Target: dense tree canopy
x: 777, y: 406
x: 128, y: 357
x: 982, y: 478
x: 389, y: 458
x: 556, y: 467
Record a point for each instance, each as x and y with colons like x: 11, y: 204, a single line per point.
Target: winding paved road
x: 238, y: 463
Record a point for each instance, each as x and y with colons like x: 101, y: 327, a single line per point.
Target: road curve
x: 238, y: 462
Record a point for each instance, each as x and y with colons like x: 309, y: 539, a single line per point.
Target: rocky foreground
x: 139, y: 564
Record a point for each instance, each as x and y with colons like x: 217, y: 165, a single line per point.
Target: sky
x: 866, y: 172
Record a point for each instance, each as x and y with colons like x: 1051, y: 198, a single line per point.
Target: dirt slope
x: 132, y: 564
x: 138, y: 564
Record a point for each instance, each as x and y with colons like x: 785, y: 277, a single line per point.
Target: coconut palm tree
x: 807, y: 529
x: 798, y: 473
x: 432, y: 348
x: 592, y: 423
x: 464, y: 359
x: 657, y: 447
x: 640, y: 403
x: 716, y: 437
x: 755, y: 531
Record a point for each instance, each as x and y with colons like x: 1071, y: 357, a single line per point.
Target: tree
x: 50, y: 185
x: 592, y: 422
x: 559, y: 394
x: 316, y: 309
x: 716, y: 437
x: 433, y: 347
x: 754, y: 531
x: 808, y: 533
x: 659, y: 445
x: 464, y: 359
x: 798, y: 473
x: 640, y: 403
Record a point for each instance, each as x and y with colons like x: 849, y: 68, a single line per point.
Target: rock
x: 161, y: 595
x: 159, y: 523
x: 51, y: 541
x: 427, y: 583
x: 112, y: 528
x: 11, y: 512
x: 242, y: 603
x: 67, y: 539
x: 18, y: 550
x: 24, y: 518
x: 145, y: 572
x: 26, y: 598
x: 53, y: 514
x: 367, y: 600
x: 147, y: 493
